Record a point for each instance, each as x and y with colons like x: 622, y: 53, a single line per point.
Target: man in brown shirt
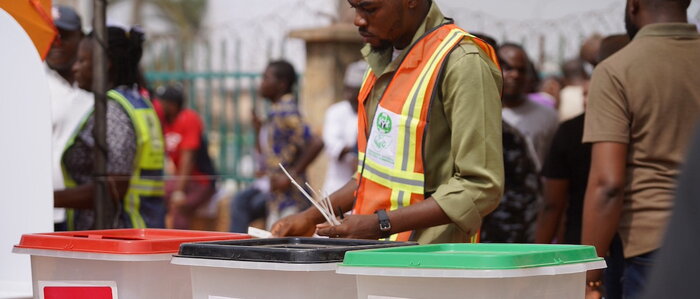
x: 643, y: 104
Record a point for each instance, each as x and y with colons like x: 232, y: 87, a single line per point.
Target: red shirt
x: 185, y: 133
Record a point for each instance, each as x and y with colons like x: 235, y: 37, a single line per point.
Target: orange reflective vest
x: 390, y: 172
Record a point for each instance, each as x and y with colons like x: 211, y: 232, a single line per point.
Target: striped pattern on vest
x: 146, y: 181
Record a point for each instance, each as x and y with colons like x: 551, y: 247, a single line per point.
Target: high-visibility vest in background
x: 146, y: 188
x: 391, y: 174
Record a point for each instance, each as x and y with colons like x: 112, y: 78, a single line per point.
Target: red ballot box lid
x: 122, y: 241
x: 76, y: 292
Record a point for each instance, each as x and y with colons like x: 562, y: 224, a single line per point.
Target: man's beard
x: 383, y: 46
x: 631, y: 28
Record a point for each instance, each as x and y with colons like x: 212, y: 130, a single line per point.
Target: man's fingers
x: 328, y: 231
x: 323, y: 225
x: 279, y: 230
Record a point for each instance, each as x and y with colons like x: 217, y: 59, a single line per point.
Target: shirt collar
x: 669, y: 30
x: 381, y: 62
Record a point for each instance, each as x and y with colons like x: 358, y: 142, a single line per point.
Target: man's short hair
x: 511, y: 45
x: 574, y: 68
x: 171, y: 94
x: 283, y: 70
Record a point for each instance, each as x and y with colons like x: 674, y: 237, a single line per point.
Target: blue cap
x: 65, y: 17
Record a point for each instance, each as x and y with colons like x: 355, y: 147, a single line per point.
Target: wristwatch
x: 384, y: 224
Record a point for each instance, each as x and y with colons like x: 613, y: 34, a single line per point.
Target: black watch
x: 384, y: 224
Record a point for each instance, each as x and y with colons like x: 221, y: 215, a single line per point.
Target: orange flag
x: 35, y: 17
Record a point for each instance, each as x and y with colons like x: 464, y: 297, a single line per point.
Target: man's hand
x: 352, y: 227
x: 300, y: 224
x: 304, y: 223
x: 594, y: 292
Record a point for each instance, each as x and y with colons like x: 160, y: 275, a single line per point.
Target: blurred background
x: 218, y: 48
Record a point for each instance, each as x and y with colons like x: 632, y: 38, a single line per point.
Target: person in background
x: 535, y: 121
x: 186, y: 146
x: 551, y: 86
x: 565, y: 175
x: 512, y: 221
x: 340, y: 131
x: 611, y: 44
x: 534, y: 92
x: 566, y: 168
x: 135, y: 149
x: 643, y: 104
x: 284, y: 138
x: 589, y: 51
x: 69, y: 103
x: 571, y: 98
x: 514, y: 218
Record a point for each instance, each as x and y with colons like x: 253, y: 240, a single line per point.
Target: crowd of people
x: 442, y: 136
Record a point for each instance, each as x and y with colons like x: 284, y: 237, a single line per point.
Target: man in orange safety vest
x: 429, y: 132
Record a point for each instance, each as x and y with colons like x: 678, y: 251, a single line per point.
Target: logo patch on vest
x: 381, y: 146
x: 384, y: 123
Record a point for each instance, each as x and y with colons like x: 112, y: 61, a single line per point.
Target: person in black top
x: 565, y: 174
x: 565, y: 171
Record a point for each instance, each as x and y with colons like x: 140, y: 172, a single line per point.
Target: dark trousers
x: 247, y: 206
x: 626, y: 278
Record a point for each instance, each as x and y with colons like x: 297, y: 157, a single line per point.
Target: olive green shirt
x: 463, y: 147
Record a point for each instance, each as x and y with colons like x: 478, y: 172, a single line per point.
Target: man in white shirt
x: 69, y: 104
x: 535, y: 121
x: 340, y: 131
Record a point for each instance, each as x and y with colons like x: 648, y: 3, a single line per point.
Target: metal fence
x: 224, y: 96
x: 225, y: 101
x: 217, y: 90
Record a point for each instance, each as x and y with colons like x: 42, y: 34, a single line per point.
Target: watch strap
x: 384, y: 223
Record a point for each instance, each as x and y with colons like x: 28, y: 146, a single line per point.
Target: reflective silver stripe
x: 394, y: 179
x: 146, y: 188
x: 412, y: 107
x: 400, y: 201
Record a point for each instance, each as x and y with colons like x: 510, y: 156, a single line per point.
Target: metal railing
x: 224, y: 101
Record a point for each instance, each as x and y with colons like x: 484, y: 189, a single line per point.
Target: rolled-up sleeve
x: 472, y: 108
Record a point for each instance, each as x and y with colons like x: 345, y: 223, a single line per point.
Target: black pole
x: 104, y: 207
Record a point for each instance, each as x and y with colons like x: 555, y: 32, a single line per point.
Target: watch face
x: 385, y: 226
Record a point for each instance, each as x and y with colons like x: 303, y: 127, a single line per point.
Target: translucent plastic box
x: 272, y: 268
x: 452, y: 271
x: 109, y: 264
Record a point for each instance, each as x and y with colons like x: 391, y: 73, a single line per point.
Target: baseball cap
x: 65, y: 17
